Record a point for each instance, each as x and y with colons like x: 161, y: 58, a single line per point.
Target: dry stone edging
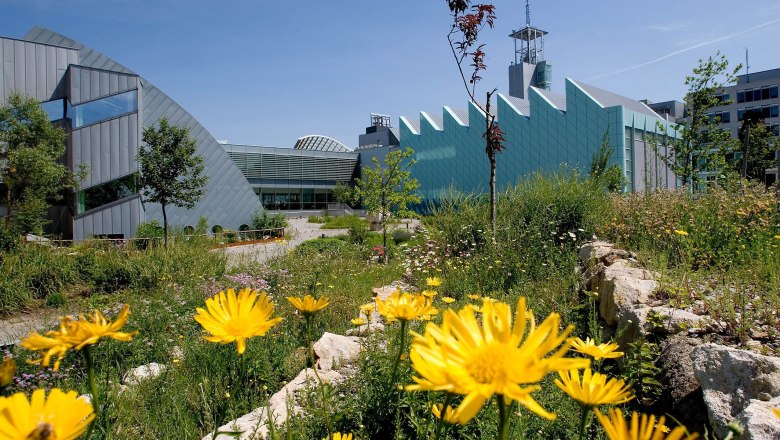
x: 724, y: 384
x: 334, y: 354
x: 734, y: 382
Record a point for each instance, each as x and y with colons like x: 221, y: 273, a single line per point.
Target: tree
x: 31, y: 175
x: 171, y: 172
x: 757, y: 147
x: 701, y: 146
x: 344, y: 193
x: 387, y: 190
x: 609, y: 176
x: 467, y: 23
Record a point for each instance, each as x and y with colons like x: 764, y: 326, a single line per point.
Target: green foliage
x: 8, y: 239
x: 700, y: 145
x: 611, y: 177
x: 149, y: 229
x: 358, y: 233
x: 387, y: 190
x: 262, y: 220
x: 344, y: 193
x: 171, y: 172
x: 757, y: 148
x: 30, y: 171
x: 344, y: 222
x: 639, y: 368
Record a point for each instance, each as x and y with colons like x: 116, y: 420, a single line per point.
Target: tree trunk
x: 493, y: 193
x: 745, y: 155
x: 165, y: 226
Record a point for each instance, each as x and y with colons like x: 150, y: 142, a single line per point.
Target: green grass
x: 343, y: 222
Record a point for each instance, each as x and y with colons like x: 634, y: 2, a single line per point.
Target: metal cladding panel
x: 229, y: 201
x: 108, y: 149
x: 119, y: 218
x: 88, y: 83
x: 33, y: 69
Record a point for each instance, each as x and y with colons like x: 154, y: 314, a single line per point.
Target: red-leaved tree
x: 467, y: 22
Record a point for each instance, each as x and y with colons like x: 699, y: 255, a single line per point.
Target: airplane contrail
x: 677, y: 52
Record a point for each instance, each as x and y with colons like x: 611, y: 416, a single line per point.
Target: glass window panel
x: 765, y: 93
x: 773, y: 112
x: 105, y: 108
x: 773, y: 92
x: 757, y: 95
x: 740, y: 97
x: 725, y: 117
x: 105, y: 193
x: 55, y: 109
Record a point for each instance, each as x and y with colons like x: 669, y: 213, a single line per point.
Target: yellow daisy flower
x: 680, y: 232
x: 447, y: 299
x: 235, y: 318
x: 340, y: 436
x: 61, y: 416
x: 7, y: 371
x: 593, y: 389
x: 308, y: 305
x: 596, y: 351
x: 433, y: 282
x: 477, y: 360
x: 402, y: 306
x: 358, y: 321
x: 368, y: 309
x: 474, y: 296
x: 642, y: 427
x: 90, y: 330
x: 449, y: 415
x: 429, y: 293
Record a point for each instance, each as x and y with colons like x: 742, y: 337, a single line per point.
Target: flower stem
x: 440, y: 423
x: 401, y: 350
x: 92, y: 389
x: 503, y: 418
x: 325, y: 408
x: 585, y: 420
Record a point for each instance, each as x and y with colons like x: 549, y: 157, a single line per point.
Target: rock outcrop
x: 738, y: 385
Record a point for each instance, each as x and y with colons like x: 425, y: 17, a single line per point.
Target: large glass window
x: 55, y: 109
x: 105, y: 193
x: 102, y: 109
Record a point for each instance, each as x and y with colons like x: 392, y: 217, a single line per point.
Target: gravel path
x: 300, y: 230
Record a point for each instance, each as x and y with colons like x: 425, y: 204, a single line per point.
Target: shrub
x: 262, y: 220
x: 358, y: 233
x: 402, y: 236
x: 344, y: 222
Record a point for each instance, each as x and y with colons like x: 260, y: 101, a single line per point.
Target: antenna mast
x: 747, y: 66
x: 527, y: 13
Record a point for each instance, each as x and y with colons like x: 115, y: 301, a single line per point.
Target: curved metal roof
x: 321, y: 143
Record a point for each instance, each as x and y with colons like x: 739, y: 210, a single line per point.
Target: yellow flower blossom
x: 680, y: 232
x: 433, y: 282
x: 7, y: 371
x: 61, y: 416
x: 596, y: 351
x: 90, y: 330
x: 402, y: 306
x: 308, y: 305
x: 474, y: 296
x: 593, y: 389
x: 340, y: 436
x: 429, y: 293
x: 447, y: 299
x: 449, y: 415
x: 477, y: 360
x: 358, y: 321
x: 235, y: 318
x: 642, y: 427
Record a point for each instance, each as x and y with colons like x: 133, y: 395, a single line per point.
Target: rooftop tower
x: 529, y: 67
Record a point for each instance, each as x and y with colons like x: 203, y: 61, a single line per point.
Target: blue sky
x: 268, y: 72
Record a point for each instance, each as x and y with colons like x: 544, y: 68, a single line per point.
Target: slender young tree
x: 467, y: 22
x: 757, y: 146
x: 701, y: 145
x: 31, y: 174
x: 388, y: 190
x: 171, y: 172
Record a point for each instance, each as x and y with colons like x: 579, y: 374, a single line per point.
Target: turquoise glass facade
x: 542, y: 133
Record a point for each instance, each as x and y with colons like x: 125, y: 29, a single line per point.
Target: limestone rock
x: 599, y: 252
x: 759, y: 421
x: 365, y: 329
x: 254, y: 425
x: 332, y: 350
x: 732, y: 380
x: 139, y: 374
x: 622, y: 288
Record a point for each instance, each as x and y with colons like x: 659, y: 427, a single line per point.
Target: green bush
x: 8, y: 239
x: 262, y: 220
x: 344, y: 222
x: 402, y: 236
x: 358, y: 233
